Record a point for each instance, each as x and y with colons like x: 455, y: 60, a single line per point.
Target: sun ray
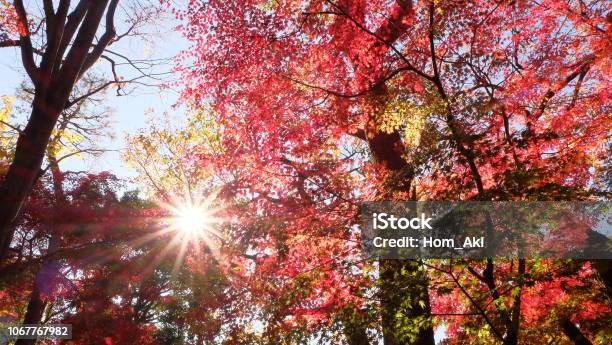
x: 180, y: 256
x: 137, y: 242
x: 166, y: 250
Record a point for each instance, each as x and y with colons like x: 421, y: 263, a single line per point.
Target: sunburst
x: 194, y: 222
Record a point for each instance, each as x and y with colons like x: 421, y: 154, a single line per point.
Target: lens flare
x: 194, y: 223
x: 192, y: 220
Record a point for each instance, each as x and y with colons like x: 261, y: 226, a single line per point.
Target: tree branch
x: 352, y: 95
x: 573, y: 333
x: 106, y: 38
x: 74, y: 66
x: 458, y: 136
x: 577, y: 88
x: 16, y: 129
x: 25, y: 42
x: 385, y: 34
x: 55, y: 28
x: 476, y: 305
x: 583, y: 68
x: 9, y: 43
x: 49, y: 12
x: 72, y: 24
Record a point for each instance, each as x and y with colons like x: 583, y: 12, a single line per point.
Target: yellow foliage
x: 161, y: 153
x: 268, y: 5
x: 7, y: 102
x: 7, y: 133
x: 63, y: 142
x: 406, y: 116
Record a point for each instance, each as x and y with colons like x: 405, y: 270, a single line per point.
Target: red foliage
x: 514, y: 99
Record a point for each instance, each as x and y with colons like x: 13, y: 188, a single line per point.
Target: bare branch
x: 90, y: 93
x: 117, y: 82
x: 128, y: 61
x: 91, y: 151
x: 17, y: 129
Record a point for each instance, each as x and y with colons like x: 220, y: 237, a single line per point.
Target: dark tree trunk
x: 514, y: 326
x: 24, y: 170
x: 404, y: 294
x: 599, y: 245
x: 404, y: 285
x: 45, y: 277
x: 604, y: 269
x: 34, y: 314
x: 356, y: 333
x: 44, y: 280
x: 574, y: 333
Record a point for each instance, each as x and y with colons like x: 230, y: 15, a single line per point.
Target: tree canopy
x: 243, y: 224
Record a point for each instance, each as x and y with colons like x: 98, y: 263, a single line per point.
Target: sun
x: 193, y: 223
x: 191, y: 219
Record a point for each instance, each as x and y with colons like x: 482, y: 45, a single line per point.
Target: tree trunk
x: 574, y: 333
x: 404, y: 294
x: 44, y: 280
x: 512, y: 337
x: 50, y: 267
x: 355, y: 333
x: 604, y: 269
x: 36, y: 304
x: 54, y: 80
x: 34, y: 313
x: 24, y: 169
x: 598, y: 247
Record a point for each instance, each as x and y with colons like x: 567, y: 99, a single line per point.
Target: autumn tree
x: 451, y: 100
x: 53, y: 251
x: 113, y: 274
x: 58, y: 47
x: 163, y: 153
x: 77, y: 131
